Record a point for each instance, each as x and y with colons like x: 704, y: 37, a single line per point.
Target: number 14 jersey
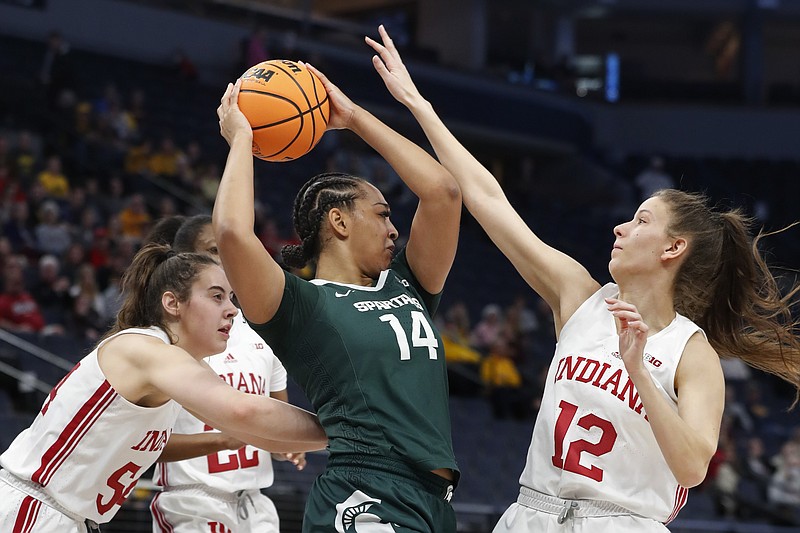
x: 592, y: 439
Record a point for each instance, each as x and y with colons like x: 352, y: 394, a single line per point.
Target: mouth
x: 390, y: 248
x: 226, y: 331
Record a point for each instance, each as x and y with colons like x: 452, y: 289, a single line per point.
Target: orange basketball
x: 287, y: 106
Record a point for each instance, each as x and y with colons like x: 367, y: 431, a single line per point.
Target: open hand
x: 391, y: 69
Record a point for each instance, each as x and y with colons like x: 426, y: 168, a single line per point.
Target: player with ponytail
x: 110, y: 417
x: 633, y: 401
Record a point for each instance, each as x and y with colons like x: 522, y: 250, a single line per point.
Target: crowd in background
x: 81, y: 186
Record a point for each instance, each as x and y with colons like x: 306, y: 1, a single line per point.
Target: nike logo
x: 339, y: 295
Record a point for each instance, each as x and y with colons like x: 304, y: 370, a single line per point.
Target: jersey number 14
x: 422, y: 335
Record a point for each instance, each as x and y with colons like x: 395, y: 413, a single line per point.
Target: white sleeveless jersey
x: 592, y: 439
x: 247, y: 364
x: 88, y: 445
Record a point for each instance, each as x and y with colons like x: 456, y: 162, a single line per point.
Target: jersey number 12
x: 572, y: 461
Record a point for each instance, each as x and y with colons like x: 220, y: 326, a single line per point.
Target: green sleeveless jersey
x: 371, y: 362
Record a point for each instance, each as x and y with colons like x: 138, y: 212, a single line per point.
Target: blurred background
x: 580, y: 108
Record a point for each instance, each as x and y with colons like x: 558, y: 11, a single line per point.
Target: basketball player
x: 359, y: 339
x: 109, y: 418
x: 212, y: 481
x: 634, y: 396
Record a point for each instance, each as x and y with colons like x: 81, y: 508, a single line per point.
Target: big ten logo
x: 652, y: 360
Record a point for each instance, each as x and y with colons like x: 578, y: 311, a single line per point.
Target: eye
x: 213, y: 250
x: 385, y: 214
x: 640, y: 220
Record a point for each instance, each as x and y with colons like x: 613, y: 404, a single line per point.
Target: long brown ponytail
x: 726, y: 287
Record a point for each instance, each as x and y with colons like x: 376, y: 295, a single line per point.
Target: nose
x: 618, y: 229
x: 393, y: 234
x: 231, y: 311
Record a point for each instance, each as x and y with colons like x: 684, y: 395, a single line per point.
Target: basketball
x: 287, y: 107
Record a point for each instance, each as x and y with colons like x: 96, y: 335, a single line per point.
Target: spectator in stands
x: 653, y: 178
x: 503, y: 382
x: 756, y: 467
x: 135, y: 219
x: 784, y: 487
x: 463, y: 361
x: 183, y: 66
x: 83, y: 321
x: 19, y: 312
x: 85, y: 285
x: 53, y: 179
x: 678, y: 266
x: 488, y: 330
x: 25, y: 159
x: 18, y: 229
x: 52, y: 233
x: 51, y: 290
x: 164, y: 162
x: 255, y: 49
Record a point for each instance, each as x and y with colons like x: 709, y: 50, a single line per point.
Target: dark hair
x: 156, y: 269
x: 725, y: 286
x: 316, y: 197
x: 164, y: 231
x: 186, y: 237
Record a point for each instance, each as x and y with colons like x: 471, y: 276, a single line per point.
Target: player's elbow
x: 693, y: 470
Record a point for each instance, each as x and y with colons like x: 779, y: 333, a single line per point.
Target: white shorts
x: 197, y: 510
x: 545, y: 513
x: 21, y: 512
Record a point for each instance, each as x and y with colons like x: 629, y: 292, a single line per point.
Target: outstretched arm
x: 256, y: 278
x: 433, y: 238
x: 561, y: 281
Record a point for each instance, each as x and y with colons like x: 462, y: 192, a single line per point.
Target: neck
x: 653, y: 301
x: 333, y: 267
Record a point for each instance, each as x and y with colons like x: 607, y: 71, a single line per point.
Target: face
x: 206, y: 243
x: 373, y: 233
x: 640, y: 242
x: 205, y: 319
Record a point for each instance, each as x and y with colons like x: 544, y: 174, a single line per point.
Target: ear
x: 339, y: 222
x: 170, y: 304
x: 676, y: 249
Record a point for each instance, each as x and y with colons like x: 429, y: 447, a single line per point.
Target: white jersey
x: 247, y: 364
x: 592, y: 439
x: 88, y: 445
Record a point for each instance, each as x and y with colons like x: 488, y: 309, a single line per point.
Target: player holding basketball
x: 108, y: 420
x: 634, y: 396
x: 359, y: 339
x: 210, y: 480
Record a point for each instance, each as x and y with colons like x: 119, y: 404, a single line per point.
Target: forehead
x: 212, y: 276
x: 372, y: 195
x: 206, y: 236
x: 655, y: 205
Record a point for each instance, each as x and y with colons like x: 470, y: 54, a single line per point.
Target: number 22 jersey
x: 592, y: 439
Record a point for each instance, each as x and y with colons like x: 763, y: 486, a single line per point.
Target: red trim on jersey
x: 27, y: 515
x: 74, y: 431
x: 162, y: 474
x: 159, y: 517
x: 681, y: 495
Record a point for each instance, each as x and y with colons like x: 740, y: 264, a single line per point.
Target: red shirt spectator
x: 18, y: 310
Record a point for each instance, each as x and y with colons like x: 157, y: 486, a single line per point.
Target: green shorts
x: 379, y: 495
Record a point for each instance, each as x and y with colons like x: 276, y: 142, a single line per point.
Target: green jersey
x: 371, y: 362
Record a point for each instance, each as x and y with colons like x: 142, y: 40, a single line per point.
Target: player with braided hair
x: 359, y: 339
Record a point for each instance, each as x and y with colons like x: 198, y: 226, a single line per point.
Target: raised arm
x: 559, y: 279
x: 256, y: 278
x: 433, y: 238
